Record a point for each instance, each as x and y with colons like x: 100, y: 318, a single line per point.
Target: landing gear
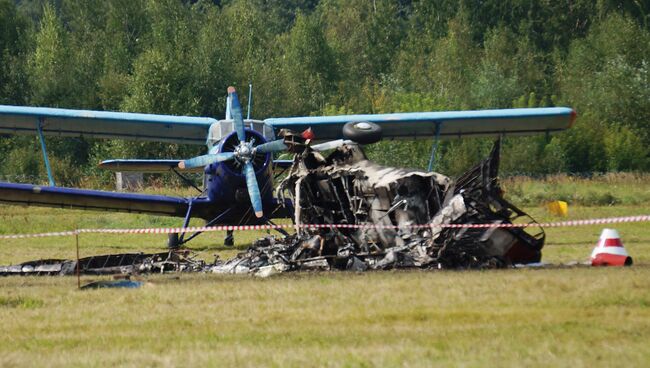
x: 229, y: 240
x: 363, y: 132
x: 173, y: 242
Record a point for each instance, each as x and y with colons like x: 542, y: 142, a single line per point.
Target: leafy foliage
x: 308, y: 57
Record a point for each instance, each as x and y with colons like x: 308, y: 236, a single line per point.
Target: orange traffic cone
x: 610, y: 251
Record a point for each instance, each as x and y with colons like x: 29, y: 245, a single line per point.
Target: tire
x: 362, y: 132
x: 173, y: 241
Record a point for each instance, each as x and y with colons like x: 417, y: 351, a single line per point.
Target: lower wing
x: 98, y: 200
x: 145, y: 166
x: 45, y: 196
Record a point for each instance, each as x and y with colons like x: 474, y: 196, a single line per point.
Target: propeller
x: 244, y: 153
x: 206, y: 160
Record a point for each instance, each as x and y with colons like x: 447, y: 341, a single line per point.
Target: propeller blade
x: 253, y: 189
x: 330, y: 145
x: 235, y: 111
x: 206, y: 160
x: 273, y: 146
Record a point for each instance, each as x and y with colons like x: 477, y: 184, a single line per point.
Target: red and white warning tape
x: 601, y: 221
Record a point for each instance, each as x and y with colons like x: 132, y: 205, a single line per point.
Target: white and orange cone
x: 610, y: 251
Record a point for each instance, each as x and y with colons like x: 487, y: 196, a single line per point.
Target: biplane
x: 238, y: 164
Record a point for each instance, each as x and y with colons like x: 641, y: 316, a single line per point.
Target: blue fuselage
x: 226, y: 185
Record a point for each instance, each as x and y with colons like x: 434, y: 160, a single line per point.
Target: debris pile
x: 126, y: 263
x: 385, y: 203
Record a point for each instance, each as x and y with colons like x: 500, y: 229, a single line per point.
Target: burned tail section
x: 483, y: 203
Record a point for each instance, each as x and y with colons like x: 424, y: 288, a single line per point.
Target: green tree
x: 13, y: 47
x: 50, y: 74
x: 364, y: 37
x: 607, y: 74
x: 451, y: 66
x: 309, y: 67
x: 626, y: 150
x: 125, y: 32
x: 607, y: 79
x: 427, y: 22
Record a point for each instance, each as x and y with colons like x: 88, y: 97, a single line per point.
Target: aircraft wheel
x: 229, y: 240
x: 362, y: 132
x: 172, y: 241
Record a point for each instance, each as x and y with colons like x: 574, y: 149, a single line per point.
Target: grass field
x: 534, y: 317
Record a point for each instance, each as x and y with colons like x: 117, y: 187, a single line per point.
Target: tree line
x: 314, y: 57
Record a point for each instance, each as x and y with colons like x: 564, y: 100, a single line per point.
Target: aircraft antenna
x: 250, y: 100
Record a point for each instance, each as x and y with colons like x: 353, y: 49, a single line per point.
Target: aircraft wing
x: 86, y: 199
x: 451, y: 124
x: 104, y: 124
x: 145, y: 166
x: 44, y: 196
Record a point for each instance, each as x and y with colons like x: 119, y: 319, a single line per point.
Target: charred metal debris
x: 346, y: 188
x: 126, y: 263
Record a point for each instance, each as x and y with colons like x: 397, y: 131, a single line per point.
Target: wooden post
x: 76, y: 236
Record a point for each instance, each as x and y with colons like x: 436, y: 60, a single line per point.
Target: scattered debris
x: 126, y: 263
x: 382, y: 202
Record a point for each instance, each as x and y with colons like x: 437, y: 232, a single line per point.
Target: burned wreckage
x: 381, y: 218
x: 396, y: 217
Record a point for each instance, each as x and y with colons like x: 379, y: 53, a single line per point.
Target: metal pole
x: 76, y: 236
x: 39, y: 128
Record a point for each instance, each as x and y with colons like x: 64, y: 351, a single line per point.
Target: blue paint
x: 113, y: 284
x: 105, y: 124
x: 119, y: 117
x: 235, y: 110
x: 224, y: 181
x: 424, y: 116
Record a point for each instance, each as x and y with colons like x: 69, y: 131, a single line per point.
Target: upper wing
x: 450, y: 123
x: 104, y: 124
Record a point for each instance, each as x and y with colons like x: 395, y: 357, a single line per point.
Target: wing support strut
x: 210, y: 223
x: 186, y: 180
x: 186, y: 222
x: 39, y: 128
x: 434, y: 147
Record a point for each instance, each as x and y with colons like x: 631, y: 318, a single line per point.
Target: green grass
x: 565, y: 317
x: 578, y: 316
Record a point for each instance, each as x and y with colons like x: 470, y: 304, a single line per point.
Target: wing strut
x: 434, y: 147
x: 186, y: 222
x: 39, y: 128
